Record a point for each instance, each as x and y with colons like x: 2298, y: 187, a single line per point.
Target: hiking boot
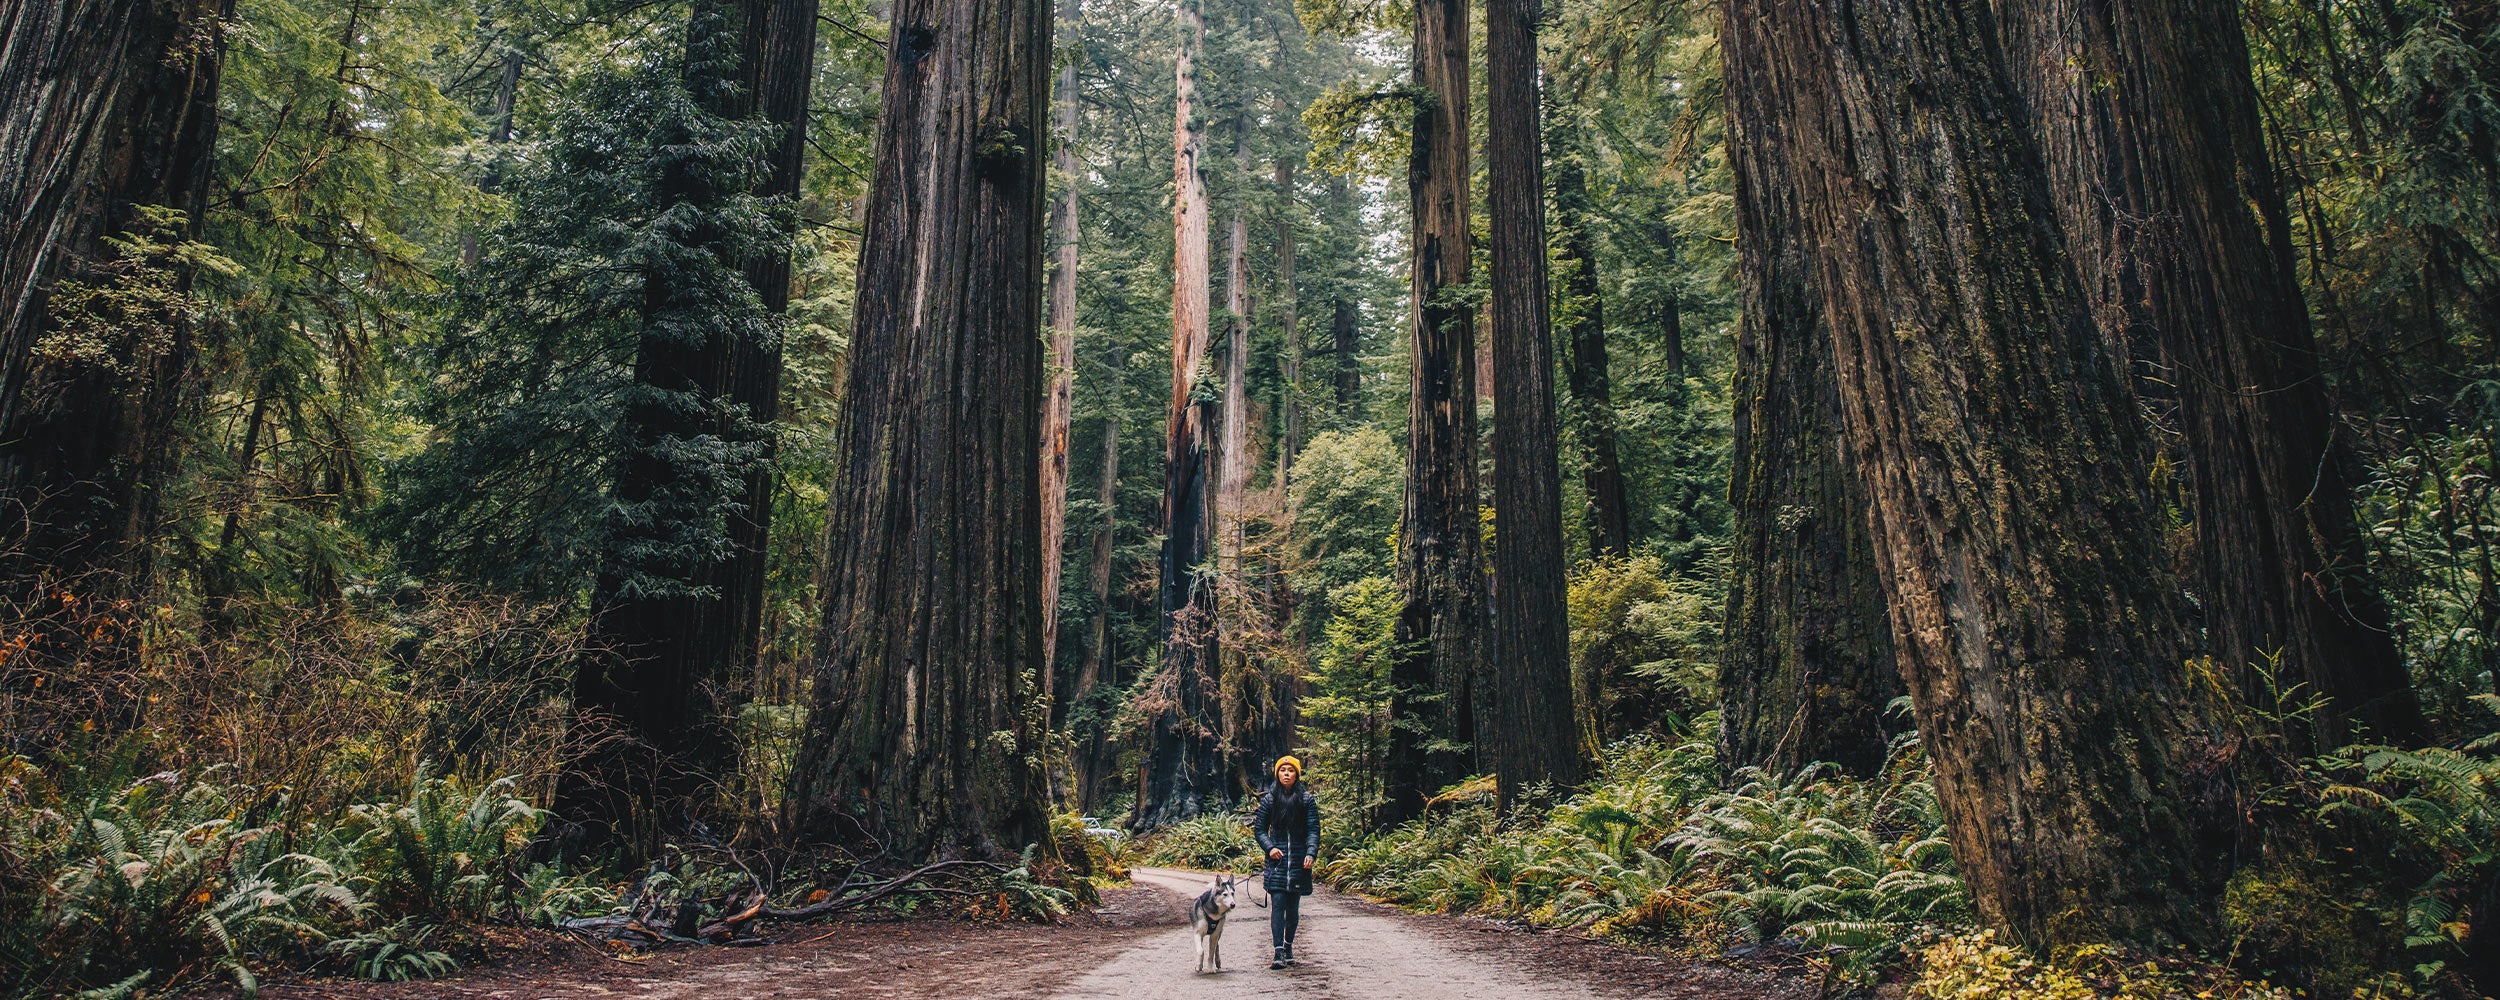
x: 1288, y: 950
x: 1279, y: 961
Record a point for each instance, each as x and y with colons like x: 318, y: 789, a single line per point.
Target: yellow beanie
x: 1296, y: 762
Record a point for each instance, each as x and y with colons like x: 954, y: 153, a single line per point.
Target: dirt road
x: 1136, y: 947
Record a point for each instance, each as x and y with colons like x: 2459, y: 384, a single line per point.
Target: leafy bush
x: 2439, y: 809
x: 164, y: 878
x: 1655, y: 852
x: 1210, y: 843
x: 1975, y: 967
x: 1644, y: 648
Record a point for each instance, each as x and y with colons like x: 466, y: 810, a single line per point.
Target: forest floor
x: 1136, y: 946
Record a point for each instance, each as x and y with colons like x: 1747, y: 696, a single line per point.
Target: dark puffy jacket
x: 1290, y: 823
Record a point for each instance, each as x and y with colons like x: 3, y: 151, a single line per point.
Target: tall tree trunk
x: 1288, y: 321
x: 1807, y: 666
x: 919, y: 736
x: 1062, y: 400
x: 105, y: 108
x: 1609, y: 515
x: 1184, y: 770
x: 1233, y: 454
x: 1533, y: 735
x: 1344, y: 324
x: 671, y: 633
x: 1093, y: 762
x: 2161, y: 181
x: 1440, y: 548
x: 2085, y: 777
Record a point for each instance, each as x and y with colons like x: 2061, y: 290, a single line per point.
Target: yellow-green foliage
x: 1654, y: 851
x: 2303, y: 916
x: 1644, y: 647
x: 1977, y: 967
x: 1219, y: 842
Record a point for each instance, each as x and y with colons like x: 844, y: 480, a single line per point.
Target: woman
x: 1288, y: 827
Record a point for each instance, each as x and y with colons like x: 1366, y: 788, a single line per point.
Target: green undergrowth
x: 116, y: 886
x: 1658, y: 854
x: 1219, y: 842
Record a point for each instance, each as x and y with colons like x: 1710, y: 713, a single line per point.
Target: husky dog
x: 1206, y: 918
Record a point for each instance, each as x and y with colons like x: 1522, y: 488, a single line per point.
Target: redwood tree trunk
x: 104, y: 108
x: 1062, y: 400
x: 1440, y: 551
x: 1532, y: 735
x: 1183, y: 773
x: 671, y: 633
x: 1808, y: 665
x: 1344, y: 324
x: 1288, y: 322
x: 919, y: 736
x: 1584, y: 323
x: 2159, y: 174
x: 2084, y: 777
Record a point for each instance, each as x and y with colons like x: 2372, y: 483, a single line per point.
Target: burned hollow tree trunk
x: 2148, y: 119
x: 2083, y: 772
x: 1440, y: 629
x: 1184, y: 769
x: 1807, y: 667
x: 1060, y: 405
x: 920, y: 737
x: 1531, y: 732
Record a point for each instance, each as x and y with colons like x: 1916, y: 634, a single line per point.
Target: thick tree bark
x: 105, y: 108
x: 1533, y: 736
x: 1344, y: 323
x: 1440, y: 550
x: 1808, y: 666
x: 2084, y: 773
x: 2160, y: 178
x: 656, y: 689
x: 1061, y: 403
x: 1184, y: 770
x: 919, y: 736
x: 1609, y: 516
x: 1093, y: 761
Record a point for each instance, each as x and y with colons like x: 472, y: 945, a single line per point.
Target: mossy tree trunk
x: 1061, y: 403
x: 2161, y: 180
x: 105, y: 109
x: 1807, y: 669
x: 2083, y: 768
x: 922, y: 735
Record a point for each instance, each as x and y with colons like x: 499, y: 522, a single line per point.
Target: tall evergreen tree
x: 673, y: 624
x: 920, y: 736
x: 1533, y: 736
x: 1061, y: 405
x: 1440, y: 550
x: 1185, y: 767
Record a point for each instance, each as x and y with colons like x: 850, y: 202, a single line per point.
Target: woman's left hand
x: 1306, y: 862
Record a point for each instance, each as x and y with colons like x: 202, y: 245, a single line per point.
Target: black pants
x: 1284, y: 914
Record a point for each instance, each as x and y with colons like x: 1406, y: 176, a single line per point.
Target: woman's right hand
x: 1276, y: 854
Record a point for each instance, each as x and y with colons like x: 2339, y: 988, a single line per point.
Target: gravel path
x: 1348, y: 949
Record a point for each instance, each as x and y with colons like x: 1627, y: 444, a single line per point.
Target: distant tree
x: 1060, y: 414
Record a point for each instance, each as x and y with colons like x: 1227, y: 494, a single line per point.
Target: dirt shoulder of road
x: 918, y: 959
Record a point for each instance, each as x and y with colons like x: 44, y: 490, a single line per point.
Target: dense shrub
x: 1217, y: 842
x: 114, y: 884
